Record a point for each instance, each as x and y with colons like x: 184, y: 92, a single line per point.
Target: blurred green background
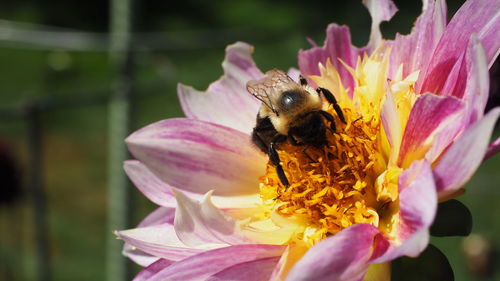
x: 181, y: 41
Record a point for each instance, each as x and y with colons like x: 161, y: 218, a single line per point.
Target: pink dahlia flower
x: 415, y: 133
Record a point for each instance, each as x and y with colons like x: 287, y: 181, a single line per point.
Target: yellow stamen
x: 335, y: 192
x: 354, y: 178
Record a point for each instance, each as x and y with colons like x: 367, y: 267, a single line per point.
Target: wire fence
x: 118, y: 98
x: 42, y: 37
x: 123, y: 45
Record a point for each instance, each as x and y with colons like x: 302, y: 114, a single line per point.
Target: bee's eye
x: 290, y: 99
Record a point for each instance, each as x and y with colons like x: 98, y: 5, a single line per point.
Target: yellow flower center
x: 332, y: 187
x: 354, y: 178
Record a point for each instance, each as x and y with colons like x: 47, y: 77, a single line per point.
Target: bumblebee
x: 290, y: 111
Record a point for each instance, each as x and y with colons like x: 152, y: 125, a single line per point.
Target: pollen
x: 332, y: 187
x: 354, y: 178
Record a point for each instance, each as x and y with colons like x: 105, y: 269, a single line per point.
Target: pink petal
x: 337, y: 46
x: 150, y: 185
x: 430, y: 114
x: 475, y: 16
x: 161, y: 215
x: 493, y: 149
x: 293, y: 252
x: 226, y: 101
x: 260, y: 269
x: 209, y: 263
x: 159, y: 240
x: 380, y: 10
x: 418, y: 205
x: 139, y: 257
x: 478, y: 82
x: 294, y: 73
x: 161, y: 193
x: 199, y: 223
x: 415, y: 50
x: 464, y: 156
x: 391, y: 121
x: 152, y: 269
x: 198, y: 156
x: 444, y: 137
x: 344, y: 256
x: 455, y: 79
x: 475, y: 96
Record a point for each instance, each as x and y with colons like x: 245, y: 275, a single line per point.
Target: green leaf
x: 431, y: 265
x: 453, y: 218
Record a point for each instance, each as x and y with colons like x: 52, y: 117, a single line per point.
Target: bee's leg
x: 307, y: 154
x: 331, y: 99
x: 258, y: 141
x: 275, y: 159
x: 303, y: 80
x: 292, y: 140
x: 329, y: 117
x: 261, y: 132
x: 291, y: 137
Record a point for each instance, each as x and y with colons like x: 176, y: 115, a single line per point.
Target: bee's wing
x: 268, y: 89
